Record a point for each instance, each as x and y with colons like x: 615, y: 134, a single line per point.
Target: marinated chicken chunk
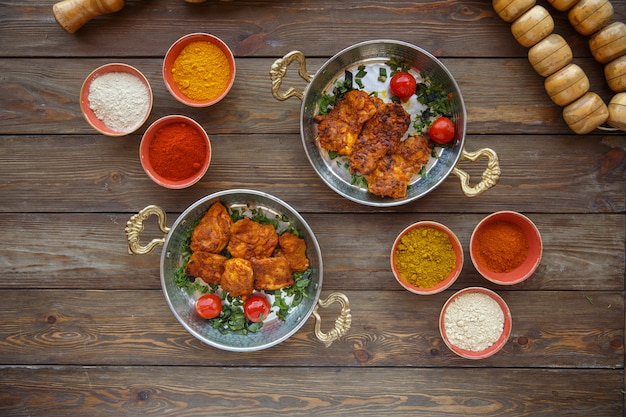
x: 207, y: 266
x: 338, y: 130
x: 271, y: 273
x: 250, y: 239
x: 213, y: 232
x: 237, y: 278
x: 395, y: 170
x: 294, y: 249
x: 380, y: 135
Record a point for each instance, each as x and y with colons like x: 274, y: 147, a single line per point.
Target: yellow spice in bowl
x: 201, y: 71
x: 425, y: 257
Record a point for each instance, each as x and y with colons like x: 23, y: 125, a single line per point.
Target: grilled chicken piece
x: 380, y: 136
x: 207, y: 266
x: 294, y: 249
x: 237, y: 278
x: 271, y: 273
x: 395, y: 170
x: 338, y: 130
x: 213, y: 231
x: 250, y: 239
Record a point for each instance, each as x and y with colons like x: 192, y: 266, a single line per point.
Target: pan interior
x: 373, y: 54
x: 182, y: 304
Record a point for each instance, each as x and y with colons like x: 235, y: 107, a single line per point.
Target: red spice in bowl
x: 506, y: 247
x: 175, y: 152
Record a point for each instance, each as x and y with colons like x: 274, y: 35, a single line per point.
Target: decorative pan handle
x: 343, y: 322
x: 134, y: 227
x: 490, y: 175
x: 279, y: 70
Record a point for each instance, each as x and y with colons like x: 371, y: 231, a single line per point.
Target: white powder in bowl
x: 473, y: 321
x: 120, y: 100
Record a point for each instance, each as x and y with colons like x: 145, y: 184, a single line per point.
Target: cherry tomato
x: 256, y: 308
x: 403, y: 85
x: 209, y: 306
x: 442, y: 130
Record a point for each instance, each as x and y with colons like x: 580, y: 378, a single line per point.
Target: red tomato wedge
x: 256, y: 308
x: 403, y: 85
x: 442, y: 130
x: 209, y: 306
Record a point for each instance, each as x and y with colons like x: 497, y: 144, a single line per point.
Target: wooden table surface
x: 85, y: 329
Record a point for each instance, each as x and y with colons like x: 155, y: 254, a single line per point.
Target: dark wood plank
x: 265, y: 28
x: 89, y: 251
x: 207, y: 391
x: 558, y: 174
x: 501, y: 96
x: 564, y: 329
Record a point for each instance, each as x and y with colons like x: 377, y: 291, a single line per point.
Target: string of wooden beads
x: 550, y: 55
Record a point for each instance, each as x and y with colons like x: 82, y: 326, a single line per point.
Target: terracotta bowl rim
x: 143, y: 152
x: 528, y: 268
x: 178, y: 45
x: 90, y: 116
x: 502, y: 340
x: 447, y: 282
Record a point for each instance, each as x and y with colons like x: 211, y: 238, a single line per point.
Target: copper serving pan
x: 182, y: 304
x: 372, y: 52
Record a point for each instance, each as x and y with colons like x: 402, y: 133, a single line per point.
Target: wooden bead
x: 609, y: 42
x: 532, y: 26
x: 550, y: 55
x: 617, y: 112
x: 509, y: 10
x: 567, y: 84
x: 563, y: 5
x: 588, y: 16
x: 615, y: 74
x: 586, y: 114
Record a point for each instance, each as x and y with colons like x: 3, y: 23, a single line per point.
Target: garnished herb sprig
x: 298, y: 291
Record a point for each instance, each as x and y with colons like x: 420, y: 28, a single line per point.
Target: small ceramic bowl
x: 481, y: 332
x: 99, y: 124
x: 527, y: 267
x: 173, y: 53
x: 446, y: 282
x: 144, y: 152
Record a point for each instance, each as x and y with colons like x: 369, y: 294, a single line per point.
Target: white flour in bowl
x: 473, y: 321
x: 119, y: 99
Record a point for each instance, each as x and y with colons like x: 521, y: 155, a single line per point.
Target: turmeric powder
x: 201, y: 71
x: 425, y: 257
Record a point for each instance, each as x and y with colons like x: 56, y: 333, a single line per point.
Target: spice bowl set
x: 175, y: 151
x: 505, y: 248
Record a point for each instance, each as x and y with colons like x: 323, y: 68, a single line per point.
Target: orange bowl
x: 159, y: 127
x: 527, y: 267
x: 174, y: 52
x: 477, y: 338
x: 441, y: 285
x: 89, y: 113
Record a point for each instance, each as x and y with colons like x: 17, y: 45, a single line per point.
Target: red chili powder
x: 177, y: 151
x: 501, y: 246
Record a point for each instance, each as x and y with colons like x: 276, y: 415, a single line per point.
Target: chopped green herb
x: 358, y: 180
x: 397, y: 66
x: 382, y: 74
x: 298, y: 291
x: 435, y: 96
x: 361, y: 72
